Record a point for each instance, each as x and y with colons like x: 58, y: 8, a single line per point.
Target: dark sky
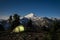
x: 49, y: 8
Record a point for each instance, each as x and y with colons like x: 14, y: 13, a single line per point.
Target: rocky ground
x: 29, y: 36
x: 22, y: 36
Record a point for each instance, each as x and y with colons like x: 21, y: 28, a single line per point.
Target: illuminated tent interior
x: 19, y: 28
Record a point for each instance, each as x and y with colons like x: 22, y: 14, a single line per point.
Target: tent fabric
x: 19, y: 28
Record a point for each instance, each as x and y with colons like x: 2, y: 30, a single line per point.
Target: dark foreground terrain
x: 29, y: 36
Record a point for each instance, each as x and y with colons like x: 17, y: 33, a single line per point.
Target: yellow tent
x: 19, y: 28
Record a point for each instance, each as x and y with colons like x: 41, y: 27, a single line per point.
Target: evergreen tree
x: 10, y: 22
x: 30, y: 26
x: 16, y: 21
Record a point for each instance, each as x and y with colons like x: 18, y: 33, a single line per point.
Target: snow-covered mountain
x: 33, y: 17
x: 29, y: 15
x: 39, y: 21
x: 36, y: 21
x: 26, y: 18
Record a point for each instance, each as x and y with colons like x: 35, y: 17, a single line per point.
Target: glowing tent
x: 19, y: 28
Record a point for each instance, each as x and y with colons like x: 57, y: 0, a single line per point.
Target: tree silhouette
x: 16, y: 21
x: 30, y: 26
x: 29, y: 23
x: 10, y: 19
x: 10, y: 22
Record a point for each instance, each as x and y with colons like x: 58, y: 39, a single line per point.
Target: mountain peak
x: 30, y: 15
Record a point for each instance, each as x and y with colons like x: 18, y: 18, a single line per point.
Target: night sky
x: 48, y: 8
